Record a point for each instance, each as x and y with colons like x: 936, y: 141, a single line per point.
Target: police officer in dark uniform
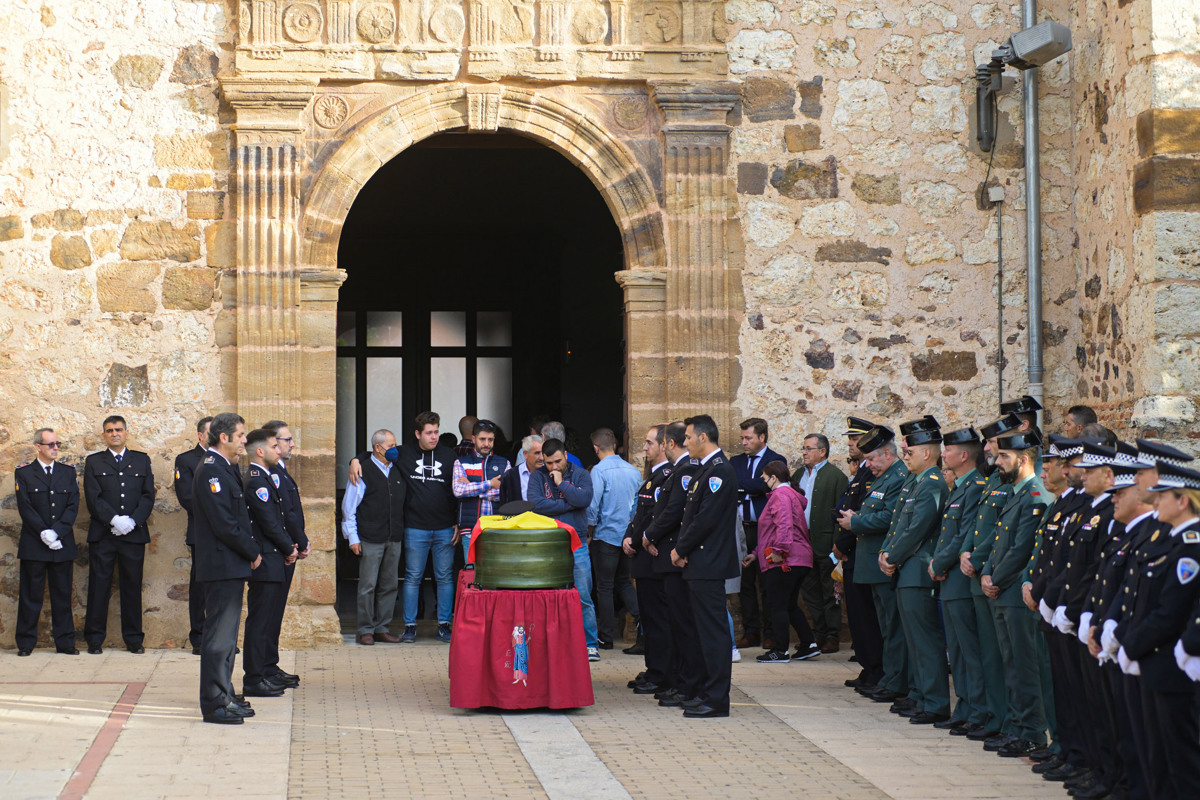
x: 656, y: 627
x: 293, y: 518
x: 707, y: 552
x: 658, y: 539
x: 118, y: 486
x: 185, y: 470
x: 48, y: 501
x: 860, y: 606
x: 226, y: 555
x: 266, y: 582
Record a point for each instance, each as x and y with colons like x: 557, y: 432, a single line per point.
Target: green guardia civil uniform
x: 870, y: 526
x: 979, y: 544
x: 910, y: 545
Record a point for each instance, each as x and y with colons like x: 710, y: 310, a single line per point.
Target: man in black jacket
x: 657, y: 644
x: 185, y: 469
x: 293, y: 518
x: 226, y: 555
x: 48, y: 501
x: 706, y: 550
x: 118, y: 486
x: 514, y: 484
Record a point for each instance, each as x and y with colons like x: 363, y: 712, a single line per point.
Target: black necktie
x: 49, y: 470
x: 120, y: 457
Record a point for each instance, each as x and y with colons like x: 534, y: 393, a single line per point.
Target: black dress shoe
x: 1095, y: 791
x: 1045, y: 766
x: 884, y: 696
x: 638, y: 648
x: 95, y: 649
x: 672, y: 700
x: 866, y: 689
x: 286, y: 681
x: 928, y: 718
x: 275, y: 684
x: 1043, y: 754
x: 967, y: 730
x: 1064, y: 773
x: 704, y: 712
x: 982, y: 734
x: 195, y: 649
x: 241, y: 709
x: 902, y: 704
x: 136, y: 649
x: 68, y: 651
x: 1018, y: 749
x: 663, y: 693
x: 262, y: 689
x: 998, y: 741
x: 691, y: 702
x: 950, y: 724
x: 648, y: 688
x: 223, y: 716
x: 640, y: 678
x: 278, y: 673
x: 23, y: 653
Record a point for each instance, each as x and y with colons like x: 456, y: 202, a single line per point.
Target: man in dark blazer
x: 822, y: 483
x: 48, y: 501
x: 185, y: 470
x: 707, y: 552
x: 293, y: 518
x: 514, y: 483
x: 118, y: 486
x: 752, y: 496
x: 226, y: 554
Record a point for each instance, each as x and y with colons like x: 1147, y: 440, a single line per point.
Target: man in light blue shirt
x: 615, y: 484
x: 808, y: 477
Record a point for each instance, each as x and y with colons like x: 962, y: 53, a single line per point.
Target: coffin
x: 523, y: 558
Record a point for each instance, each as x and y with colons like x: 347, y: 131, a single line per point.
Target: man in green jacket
x: 905, y: 556
x: 1003, y: 575
x: 870, y: 526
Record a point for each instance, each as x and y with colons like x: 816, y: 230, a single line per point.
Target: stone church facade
x: 795, y: 183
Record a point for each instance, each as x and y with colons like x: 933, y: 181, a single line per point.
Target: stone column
x: 645, y: 344
x: 703, y: 291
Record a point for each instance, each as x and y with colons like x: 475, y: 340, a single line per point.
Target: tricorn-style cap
x: 1127, y: 456
x: 875, y: 438
x: 1008, y: 422
x: 1171, y: 476
x: 1024, y: 405
x: 961, y: 436
x: 1124, y: 476
x: 1160, y: 454
x: 857, y: 426
x: 1022, y: 440
x: 925, y: 423
x: 1096, y: 455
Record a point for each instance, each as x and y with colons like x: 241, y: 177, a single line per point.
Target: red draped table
x: 498, y: 631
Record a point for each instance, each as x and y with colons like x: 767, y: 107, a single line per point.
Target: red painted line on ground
x: 89, y: 765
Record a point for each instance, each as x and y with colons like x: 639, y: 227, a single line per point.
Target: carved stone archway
x: 630, y: 92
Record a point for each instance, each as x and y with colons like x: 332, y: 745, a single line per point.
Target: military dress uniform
x: 706, y: 540
x: 860, y: 605
x: 225, y: 549
x: 266, y: 582
x: 47, y: 499
x: 652, y: 602
x: 293, y: 518
x: 185, y: 471
x: 116, y: 485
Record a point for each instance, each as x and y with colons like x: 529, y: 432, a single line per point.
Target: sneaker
x: 805, y: 653
x: 410, y: 634
x: 593, y: 654
x: 774, y: 657
x: 737, y: 655
x: 443, y: 634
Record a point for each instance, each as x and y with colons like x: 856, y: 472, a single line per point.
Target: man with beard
x: 476, y: 481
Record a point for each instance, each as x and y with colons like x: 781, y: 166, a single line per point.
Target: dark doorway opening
x: 479, y: 281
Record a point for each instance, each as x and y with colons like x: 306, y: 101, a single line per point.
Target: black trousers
x: 752, y: 622
x: 1173, y: 743
x: 262, y: 602
x: 1131, y: 727
x: 689, y: 664
x: 34, y: 577
x: 864, y: 627
x: 222, y: 615
x: 611, y: 570
x: 195, y: 603
x: 656, y: 629
x: 781, y: 591
x: 1106, y: 758
x: 128, y: 558
x: 271, y: 657
x: 712, y: 634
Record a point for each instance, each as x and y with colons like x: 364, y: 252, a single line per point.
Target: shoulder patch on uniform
x: 1037, y: 511
x: 685, y: 481
x: 210, y: 459
x: 981, y: 482
x: 176, y: 474
x: 1191, y: 537
x: 262, y: 493
x: 933, y: 476
x: 1186, y: 569
x: 275, y: 480
x: 214, y: 485
x: 714, y: 484
x: 657, y: 492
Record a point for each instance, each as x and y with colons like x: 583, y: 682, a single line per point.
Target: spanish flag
x: 528, y: 520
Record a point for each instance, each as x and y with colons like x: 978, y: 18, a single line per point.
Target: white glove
x: 1108, y: 639
x: 1105, y: 656
x: 1127, y: 666
x: 1061, y: 621
x: 1046, y: 611
x: 1192, y: 668
x: 122, y: 525
x: 1181, y: 655
x: 1085, y: 627
x: 50, y: 538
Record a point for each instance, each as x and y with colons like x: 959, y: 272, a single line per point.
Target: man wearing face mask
x: 373, y: 524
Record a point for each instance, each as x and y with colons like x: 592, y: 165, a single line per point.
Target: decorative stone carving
x: 447, y: 24
x: 302, y: 22
x: 483, y: 109
x: 630, y: 112
x: 661, y: 24
x: 590, y: 24
x: 376, y: 23
x: 330, y: 111
x: 244, y: 22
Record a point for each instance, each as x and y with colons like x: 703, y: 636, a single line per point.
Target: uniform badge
x: 275, y: 480
x: 657, y: 492
x: 214, y: 485
x: 176, y: 474
x: 685, y: 481
x: 1057, y: 516
x: 1191, y: 537
x: 1154, y: 537
x: 1037, y: 512
x: 877, y: 495
x: 262, y: 494
x: 1186, y: 569
x: 714, y: 484
x: 1094, y: 521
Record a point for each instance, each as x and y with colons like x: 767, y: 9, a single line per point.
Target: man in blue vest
x: 476, y: 480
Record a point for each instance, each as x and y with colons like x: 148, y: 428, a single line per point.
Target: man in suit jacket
x: 707, y: 552
x: 514, y: 484
x: 48, y: 501
x: 185, y: 470
x: 822, y: 483
x: 226, y: 555
x: 118, y: 486
x: 752, y: 496
x: 293, y: 519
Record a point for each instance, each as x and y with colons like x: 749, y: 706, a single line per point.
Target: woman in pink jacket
x: 784, y: 554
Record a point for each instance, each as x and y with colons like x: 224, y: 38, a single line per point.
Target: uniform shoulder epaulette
x: 718, y: 460
x: 981, y: 482
x: 210, y: 459
x: 1191, y: 537
x: 694, y: 462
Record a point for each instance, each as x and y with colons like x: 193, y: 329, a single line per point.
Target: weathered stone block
x: 751, y: 177
x: 878, y: 189
x: 1168, y: 131
x: 862, y: 105
x: 810, y: 97
x: 803, y: 181
x: 159, y: 241
x: 188, y: 288
x: 925, y: 248
x: 190, y: 180
x: 934, y: 200
x: 859, y: 290
x: 64, y: 219
x: 836, y: 53
x: 768, y: 224
x: 819, y: 356
x: 220, y: 244
x: 195, y: 64
x: 846, y: 390
x: 849, y: 251
x: 206, y: 205
x: 944, y: 365
x: 198, y: 151
x: 70, y: 252
x: 104, y: 242
x: 1166, y: 184
x: 830, y: 219
x: 765, y: 99
x: 125, y: 387
x: 126, y: 286
x: 801, y: 138
x: 11, y: 228
x: 137, y: 71
x: 1175, y: 306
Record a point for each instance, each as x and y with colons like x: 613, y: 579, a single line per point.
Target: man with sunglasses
x: 48, y: 501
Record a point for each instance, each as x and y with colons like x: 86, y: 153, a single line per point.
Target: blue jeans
x: 583, y: 583
x: 417, y: 545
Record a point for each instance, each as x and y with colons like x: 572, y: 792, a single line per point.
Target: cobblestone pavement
x: 373, y: 722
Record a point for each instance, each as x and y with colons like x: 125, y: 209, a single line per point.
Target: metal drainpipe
x: 1033, y: 217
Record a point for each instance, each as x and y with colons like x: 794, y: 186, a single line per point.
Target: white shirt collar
x: 708, y: 457
x: 1099, y: 499
x: 679, y: 460
x: 219, y: 453
x: 659, y: 465
x: 1175, y: 531
x: 116, y: 453
x: 1137, y: 520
